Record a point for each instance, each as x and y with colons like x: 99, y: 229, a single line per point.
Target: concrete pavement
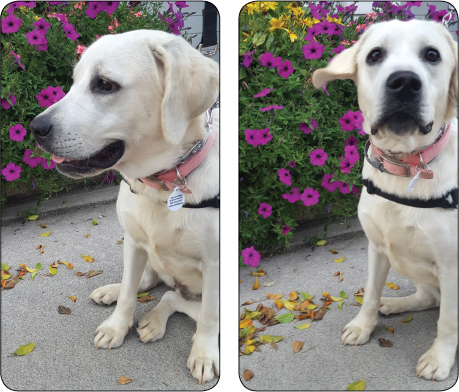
x: 64, y: 357
x: 328, y: 365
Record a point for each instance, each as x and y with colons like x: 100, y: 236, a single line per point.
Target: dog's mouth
x: 104, y: 159
x: 402, y: 122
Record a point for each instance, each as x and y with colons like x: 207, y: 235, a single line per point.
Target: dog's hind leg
x: 426, y: 296
x: 359, y: 329
x: 152, y: 326
x: 106, y: 295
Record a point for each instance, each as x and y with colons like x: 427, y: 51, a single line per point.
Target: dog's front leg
x: 110, y: 334
x: 436, y: 363
x: 203, y: 361
x: 359, y: 329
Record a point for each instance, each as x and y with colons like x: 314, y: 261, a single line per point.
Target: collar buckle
x: 397, y: 162
x: 153, y: 178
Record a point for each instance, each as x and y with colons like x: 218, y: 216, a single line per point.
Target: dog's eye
x: 432, y: 55
x: 374, y: 56
x: 105, y: 85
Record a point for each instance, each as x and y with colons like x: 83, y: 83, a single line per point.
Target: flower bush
x: 301, y: 149
x: 40, y: 44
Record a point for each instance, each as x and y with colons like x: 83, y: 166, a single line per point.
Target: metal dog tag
x: 176, y: 200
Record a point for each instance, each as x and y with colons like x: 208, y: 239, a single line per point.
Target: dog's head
x: 406, y: 77
x: 136, y: 102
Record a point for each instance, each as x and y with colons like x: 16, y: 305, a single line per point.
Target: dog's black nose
x: 404, y: 85
x: 40, y: 126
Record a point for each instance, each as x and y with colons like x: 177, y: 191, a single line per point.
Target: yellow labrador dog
x: 139, y: 105
x: 406, y: 78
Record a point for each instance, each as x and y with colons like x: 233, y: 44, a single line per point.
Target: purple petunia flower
x: 35, y: 37
x: 358, y: 119
x: 344, y: 187
x: 432, y: 9
x: 346, y: 165
x: 351, y: 141
x: 318, y: 157
x: 285, y: 229
x: 325, y: 27
x: 49, y: 166
x: 438, y: 16
x: 263, y: 93
x: 324, y: 87
x: 285, y: 69
x: 32, y: 162
x: 267, y: 60
x: 94, y: 7
x: 14, y: 5
x: 317, y: 11
x: 305, y: 128
x: 265, y: 210
x: 11, y: 24
x: 5, y: 104
x: 11, y: 172
x: 284, y: 176
x: 338, y: 49
x: 313, y: 32
x: 17, y: 132
x: 247, y: 59
x: 327, y: 184
x: 109, y: 177
x: 264, y: 136
x: 41, y: 25
x: 56, y: 92
x: 17, y: 60
x: 414, y: 3
x: 293, y: 196
x: 292, y: 164
x: 351, y: 153
x: 69, y: 30
x: 109, y: 6
x: 251, y: 257
x: 347, y: 121
x: 181, y: 4
x: 45, y: 98
x: 271, y: 107
x: 252, y: 137
x: 310, y: 197
x: 313, y: 50
x: 43, y: 46
x: 173, y: 26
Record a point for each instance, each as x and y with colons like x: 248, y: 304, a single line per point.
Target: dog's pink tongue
x: 57, y: 159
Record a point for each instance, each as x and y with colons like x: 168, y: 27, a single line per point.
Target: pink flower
x: 11, y: 172
x: 348, y: 121
x: 80, y: 49
x: 45, y: 165
x: 346, y: 165
x: 56, y: 93
x: 305, y: 128
x: 139, y: 14
x: 264, y: 136
x: 265, y: 210
x: 313, y: 50
x: 5, y: 104
x: 284, y: 176
x: 11, y: 24
x: 293, y: 196
x: 45, y: 98
x: 351, y: 141
x: 351, y: 153
x: 263, y: 93
x: 251, y: 257
x: 344, y: 187
x: 318, y: 157
x: 309, y: 197
x: 267, y: 59
x: 36, y: 37
x: 285, y: 229
x: 32, y: 162
x: 327, y: 184
x: 17, y: 133
x: 285, y: 69
x: 271, y: 107
x: 292, y: 164
x: 252, y: 137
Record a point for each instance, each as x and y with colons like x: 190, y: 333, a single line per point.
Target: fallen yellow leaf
x: 87, y: 258
x: 339, y: 260
x: 73, y: 298
x: 256, y: 285
x: 392, y: 285
x: 46, y: 234
x: 69, y: 265
x: 273, y: 296
x: 278, y: 303
x: 247, y: 322
x: 321, y: 242
x: 123, y: 380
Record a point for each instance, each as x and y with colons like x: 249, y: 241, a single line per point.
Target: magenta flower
x: 292, y: 164
x: 70, y: 32
x: 327, y: 184
x: 45, y: 98
x: 305, y: 128
x: 438, y: 16
x: 325, y: 27
x: 11, y: 24
x: 41, y: 25
x: 358, y: 119
x: 347, y: 121
x: 265, y: 210
x: 109, y: 177
x: 313, y: 32
x: 318, y: 157
x: 11, y: 172
x: 346, y: 165
x: 271, y: 107
x: 344, y: 187
x: 56, y: 92
x: 351, y: 153
x: 277, y: 107
x: 5, y: 104
x: 317, y: 11
x: 94, y: 7
x: 284, y: 176
x: 338, y: 49
x: 16, y: 5
x: 32, y: 162
x: 293, y: 196
x: 17, y: 133
x: 247, y: 58
x: 285, y: 229
x: 324, y: 87
x: 285, y: 69
x: 109, y: 6
x: 45, y: 165
x: 252, y: 137
x: 251, y: 257
x: 309, y: 197
x: 35, y: 37
x: 313, y: 50
x: 264, y: 136
x: 267, y: 60
x: 181, y: 4
x: 17, y: 60
x: 43, y: 46
x: 263, y: 93
x: 351, y: 141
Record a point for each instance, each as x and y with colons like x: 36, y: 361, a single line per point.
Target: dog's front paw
x: 203, y: 360
x: 356, y: 333
x: 152, y: 326
x: 435, y: 364
x: 106, y: 295
x: 110, y: 334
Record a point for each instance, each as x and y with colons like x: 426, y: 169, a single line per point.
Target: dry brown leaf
x: 256, y: 285
x: 297, y: 346
x: 273, y: 296
x: 63, y: 310
x: 319, y: 314
x: 385, y: 342
x: 390, y: 329
x: 81, y: 273
x: 293, y: 296
x: 247, y: 375
x: 148, y: 298
x: 88, y: 235
x: 392, y: 286
x: 278, y: 304
x: 66, y: 263
x: 124, y: 380
x: 248, y: 303
x: 9, y: 284
x: 93, y: 273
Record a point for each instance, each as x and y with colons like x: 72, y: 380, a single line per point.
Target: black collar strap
x: 441, y: 202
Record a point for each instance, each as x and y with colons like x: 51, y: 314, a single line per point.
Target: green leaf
x: 5, y: 266
x: 302, y: 326
x: 33, y: 275
x: 242, y: 73
x: 38, y: 266
x: 285, y: 318
x: 410, y: 317
x: 359, y: 299
x: 342, y: 294
x: 321, y: 242
x: 271, y: 338
x: 269, y: 41
x: 25, y: 349
x: 144, y: 294
x: 32, y: 217
x: 340, y: 304
x: 356, y: 386
x: 306, y: 296
x: 52, y: 270
x: 94, y: 222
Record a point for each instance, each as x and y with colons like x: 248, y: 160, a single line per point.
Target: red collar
x: 176, y: 177
x: 412, y: 165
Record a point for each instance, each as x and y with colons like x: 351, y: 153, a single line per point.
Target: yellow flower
x: 24, y: 9
x: 269, y: 5
x: 276, y: 24
x: 293, y: 37
x: 254, y: 6
x: 308, y: 22
x: 334, y: 20
x: 36, y: 17
x: 247, y: 35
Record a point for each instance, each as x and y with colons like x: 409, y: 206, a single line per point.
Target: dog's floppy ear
x: 191, y: 83
x: 343, y: 66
